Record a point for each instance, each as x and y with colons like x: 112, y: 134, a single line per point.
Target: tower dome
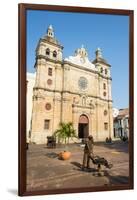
x: 98, y: 53
x: 50, y: 31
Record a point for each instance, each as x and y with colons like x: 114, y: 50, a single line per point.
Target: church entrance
x: 83, y: 127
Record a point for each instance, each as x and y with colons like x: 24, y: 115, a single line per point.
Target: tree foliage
x: 65, y: 132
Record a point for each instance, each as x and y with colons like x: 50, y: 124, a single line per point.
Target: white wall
x: 9, y: 102
x: 30, y: 85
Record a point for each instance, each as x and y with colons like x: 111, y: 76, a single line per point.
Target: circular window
x: 82, y: 83
x: 104, y: 93
x: 49, y: 82
x: 105, y: 112
x: 48, y: 106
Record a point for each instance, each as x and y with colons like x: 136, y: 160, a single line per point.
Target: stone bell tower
x: 104, y: 93
x: 48, y: 87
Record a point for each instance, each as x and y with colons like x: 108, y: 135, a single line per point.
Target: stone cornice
x: 80, y: 106
x: 47, y: 59
x: 79, y: 67
x: 70, y: 64
x: 86, y: 69
x: 62, y: 92
x: 102, y: 61
x: 50, y: 42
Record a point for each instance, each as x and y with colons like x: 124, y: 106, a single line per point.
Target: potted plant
x: 64, y: 155
x: 64, y: 133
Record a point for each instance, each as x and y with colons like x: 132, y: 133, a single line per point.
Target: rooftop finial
x: 82, y: 51
x: 50, y: 27
x: 50, y: 31
x: 98, y: 53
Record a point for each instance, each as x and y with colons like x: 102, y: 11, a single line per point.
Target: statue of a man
x: 88, y: 152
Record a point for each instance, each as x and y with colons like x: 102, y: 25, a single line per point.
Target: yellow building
x: 70, y: 90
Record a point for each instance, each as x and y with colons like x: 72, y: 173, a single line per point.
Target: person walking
x: 88, y: 152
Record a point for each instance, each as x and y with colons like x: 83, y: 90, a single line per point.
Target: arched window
x: 101, y: 70
x: 50, y: 71
x: 104, y: 93
x: 47, y: 51
x: 54, y: 54
x: 46, y: 124
x: 106, y: 71
x: 106, y: 126
x: 104, y: 86
x: 84, y: 101
x: 105, y: 112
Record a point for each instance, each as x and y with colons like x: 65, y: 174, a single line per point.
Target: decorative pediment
x: 81, y: 58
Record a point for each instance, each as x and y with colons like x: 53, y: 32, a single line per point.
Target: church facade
x: 74, y: 90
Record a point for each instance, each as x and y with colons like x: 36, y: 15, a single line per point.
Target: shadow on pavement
x: 52, y: 155
x: 77, y: 164
x: 118, y: 179
x: 79, y: 167
x: 104, y: 173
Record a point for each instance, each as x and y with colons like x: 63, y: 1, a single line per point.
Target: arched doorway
x: 83, y: 127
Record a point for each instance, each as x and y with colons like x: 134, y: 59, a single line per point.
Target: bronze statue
x: 88, y: 152
x: 88, y: 155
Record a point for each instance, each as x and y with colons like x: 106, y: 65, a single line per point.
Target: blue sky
x: 109, y: 32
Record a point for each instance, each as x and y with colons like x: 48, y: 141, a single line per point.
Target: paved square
x: 46, y: 171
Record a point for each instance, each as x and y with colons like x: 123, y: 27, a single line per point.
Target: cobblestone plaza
x: 46, y: 171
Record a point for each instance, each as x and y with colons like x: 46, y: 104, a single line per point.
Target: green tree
x: 65, y: 132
